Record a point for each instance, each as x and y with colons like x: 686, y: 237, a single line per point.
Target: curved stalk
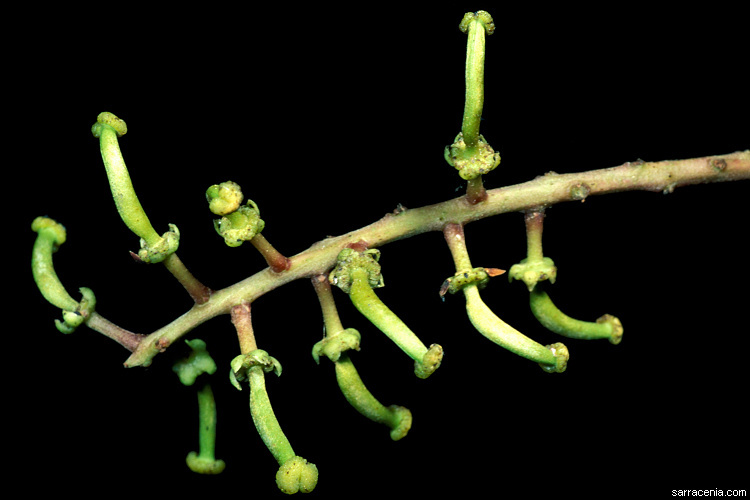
x: 295, y: 473
x: 396, y: 418
x: 552, y: 318
x: 501, y: 333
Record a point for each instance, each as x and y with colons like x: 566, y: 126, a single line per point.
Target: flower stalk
x: 188, y: 370
x: 154, y: 248
x: 335, y: 346
x: 552, y: 358
x: 547, y: 190
x: 295, y: 474
x: 357, y: 273
x: 536, y: 268
x: 470, y: 153
x: 50, y: 235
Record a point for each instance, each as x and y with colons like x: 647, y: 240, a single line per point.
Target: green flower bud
x: 241, y: 225
x: 224, y: 198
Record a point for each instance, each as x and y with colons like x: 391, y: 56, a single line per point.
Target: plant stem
x: 207, y: 419
x: 276, y: 261
x: 242, y: 321
x: 396, y: 418
x: 265, y: 419
x: 128, y: 340
x: 484, y: 320
x: 542, y: 191
x: 126, y: 200
x: 475, y: 191
x: 552, y: 318
x: 534, y: 225
x: 474, y: 83
x: 199, y: 292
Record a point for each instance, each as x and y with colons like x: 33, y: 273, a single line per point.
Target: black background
x: 329, y: 121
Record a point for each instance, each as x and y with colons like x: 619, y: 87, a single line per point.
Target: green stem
x: 204, y: 462
x: 552, y: 318
x: 501, y: 333
x: 107, y: 129
x: 275, y: 260
x: 482, y: 317
x: 199, y: 292
x: 534, y: 226
x: 155, y: 248
x: 369, y: 304
x: 546, y: 190
x: 295, y: 473
x: 536, y: 268
x: 207, y: 419
x: 475, y: 191
x: 331, y: 319
x: 474, y: 73
x: 396, y: 418
x: 50, y: 235
x: 125, y: 338
x: 265, y: 419
x: 242, y: 320
x: 426, y: 361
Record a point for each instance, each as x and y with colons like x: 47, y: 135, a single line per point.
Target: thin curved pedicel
x: 50, y: 235
x: 357, y: 273
x: 536, y: 268
x: 335, y: 346
x: 487, y: 322
x: 154, y: 248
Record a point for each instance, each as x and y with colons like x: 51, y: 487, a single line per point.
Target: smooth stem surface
x: 125, y: 338
x: 275, y: 260
x: 501, y: 333
x: 206, y: 421
x: 534, y: 226
x: 474, y: 84
x: 454, y: 236
x: 552, y: 318
x: 242, y: 320
x: 331, y: 318
x: 197, y: 290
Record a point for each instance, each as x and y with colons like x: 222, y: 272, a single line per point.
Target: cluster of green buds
x: 295, y: 474
x: 238, y: 223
